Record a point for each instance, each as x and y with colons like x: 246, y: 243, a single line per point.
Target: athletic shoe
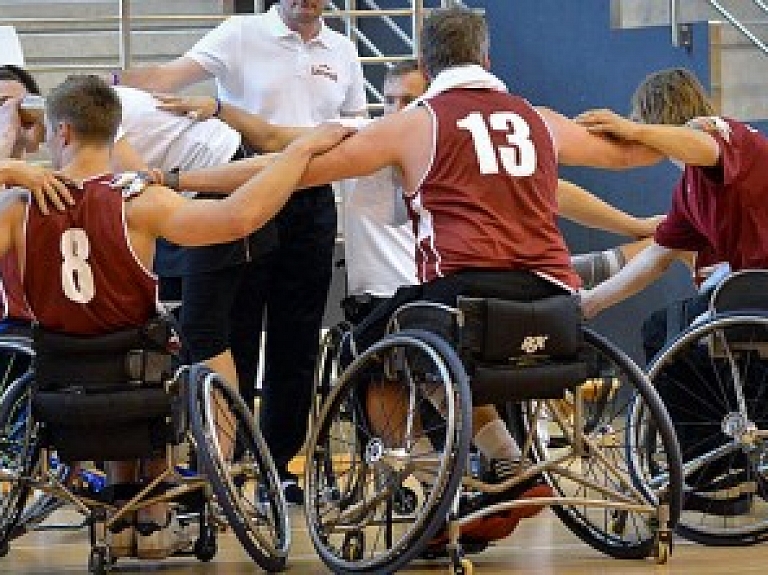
x: 155, y: 542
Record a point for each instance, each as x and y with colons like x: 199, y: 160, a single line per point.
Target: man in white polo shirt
x: 289, y: 67
x: 227, y: 318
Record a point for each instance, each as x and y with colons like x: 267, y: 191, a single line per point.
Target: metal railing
x: 124, y: 23
x: 674, y: 19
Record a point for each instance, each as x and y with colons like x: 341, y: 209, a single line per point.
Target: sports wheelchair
x: 120, y: 397
x: 585, y: 415
x: 713, y: 378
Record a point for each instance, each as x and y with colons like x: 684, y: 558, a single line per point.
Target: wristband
x: 171, y: 179
x: 115, y: 78
x: 217, y: 111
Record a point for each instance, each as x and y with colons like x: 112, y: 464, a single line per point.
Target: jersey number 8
x: 76, y: 273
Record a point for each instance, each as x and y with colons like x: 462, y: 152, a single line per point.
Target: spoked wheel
x: 20, y: 454
x: 14, y: 410
x: 397, y: 422
x: 714, y: 381
x: 248, y: 488
x: 326, y: 366
x: 610, y: 462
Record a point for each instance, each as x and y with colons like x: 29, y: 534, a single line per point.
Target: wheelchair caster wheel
x: 205, y: 546
x: 463, y: 567
x: 663, y: 551
x: 98, y: 562
x: 404, y: 501
x: 352, y: 548
x: 618, y: 525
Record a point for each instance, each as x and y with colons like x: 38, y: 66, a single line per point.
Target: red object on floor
x: 498, y: 525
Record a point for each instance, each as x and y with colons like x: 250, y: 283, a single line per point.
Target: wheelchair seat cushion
x: 104, y: 426
x: 87, y: 410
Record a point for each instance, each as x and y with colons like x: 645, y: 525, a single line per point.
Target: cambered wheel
x: 398, y: 417
x: 248, y: 488
x: 701, y: 376
x: 98, y: 562
x: 20, y: 454
x: 205, y: 547
x: 621, y: 411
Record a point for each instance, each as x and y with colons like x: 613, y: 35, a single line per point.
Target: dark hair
x: 671, y: 96
x: 453, y: 37
x: 11, y: 73
x: 401, y: 68
x: 89, y: 104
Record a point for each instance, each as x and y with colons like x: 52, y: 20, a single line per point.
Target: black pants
x: 221, y: 311
x: 502, y: 284
x: 295, y: 280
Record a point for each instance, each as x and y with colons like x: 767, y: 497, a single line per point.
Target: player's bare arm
x: 582, y: 207
x: 688, y: 144
x: 262, y: 135
x: 45, y: 185
x: 168, y: 77
x: 161, y: 213
x: 402, y: 140
x: 579, y: 147
x: 13, y: 205
x: 641, y: 271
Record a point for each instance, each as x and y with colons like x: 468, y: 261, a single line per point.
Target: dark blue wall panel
x: 566, y: 56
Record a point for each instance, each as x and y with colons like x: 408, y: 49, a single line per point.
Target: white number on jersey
x: 76, y: 273
x: 518, y: 159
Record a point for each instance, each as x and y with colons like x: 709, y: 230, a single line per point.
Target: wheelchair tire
x: 354, y: 475
x: 618, y: 386
x: 19, y: 456
x: 725, y: 501
x: 326, y: 366
x: 16, y: 354
x: 248, y: 490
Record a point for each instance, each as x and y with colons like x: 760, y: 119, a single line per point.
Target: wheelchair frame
x: 200, y: 388
x: 654, y: 494
x: 717, y: 365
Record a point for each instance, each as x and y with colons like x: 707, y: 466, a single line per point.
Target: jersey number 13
x: 518, y: 159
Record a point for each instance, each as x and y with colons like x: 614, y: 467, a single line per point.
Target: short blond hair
x: 671, y: 96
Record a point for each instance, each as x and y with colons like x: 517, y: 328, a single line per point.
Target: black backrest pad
x: 505, y: 331
x: 741, y: 291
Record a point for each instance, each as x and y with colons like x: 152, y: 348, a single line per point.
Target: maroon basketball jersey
x: 721, y: 212
x: 15, y: 304
x: 489, y: 197
x: 81, y: 275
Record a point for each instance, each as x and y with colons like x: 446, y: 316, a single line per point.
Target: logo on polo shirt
x: 324, y: 70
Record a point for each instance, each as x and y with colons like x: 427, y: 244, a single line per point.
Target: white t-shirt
x: 379, y: 244
x: 166, y: 141
x: 262, y: 66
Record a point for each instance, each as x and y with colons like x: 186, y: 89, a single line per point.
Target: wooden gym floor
x: 540, y: 545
